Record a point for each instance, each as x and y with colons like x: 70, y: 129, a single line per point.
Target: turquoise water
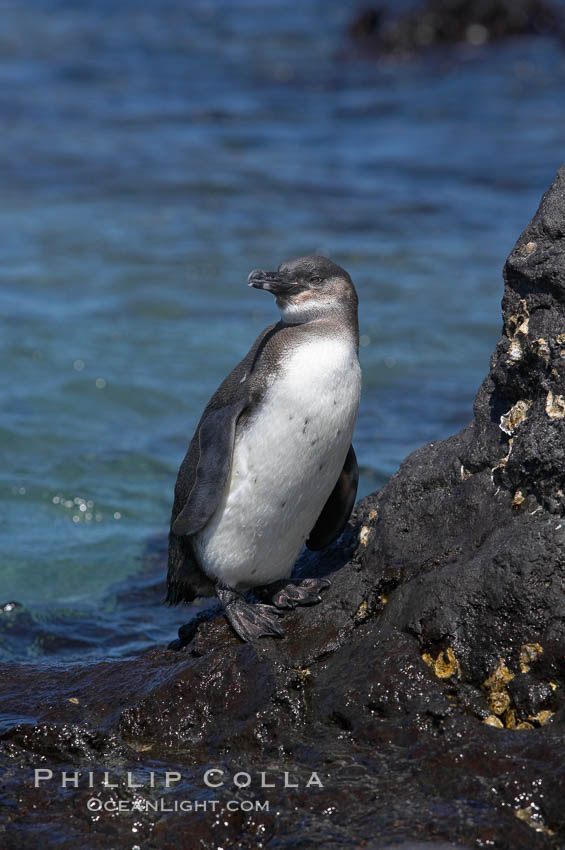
x: 149, y: 159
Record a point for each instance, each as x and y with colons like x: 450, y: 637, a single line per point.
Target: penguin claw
x: 306, y: 592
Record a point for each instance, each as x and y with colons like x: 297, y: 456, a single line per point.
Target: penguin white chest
x: 287, y: 457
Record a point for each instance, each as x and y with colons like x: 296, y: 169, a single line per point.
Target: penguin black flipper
x: 216, y: 435
x: 337, y: 509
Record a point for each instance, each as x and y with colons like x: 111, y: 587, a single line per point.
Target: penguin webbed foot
x: 291, y: 594
x: 249, y: 621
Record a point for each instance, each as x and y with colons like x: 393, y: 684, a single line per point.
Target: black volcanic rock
x: 438, y: 23
x: 421, y: 704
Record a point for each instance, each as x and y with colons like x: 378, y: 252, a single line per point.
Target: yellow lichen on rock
x: 517, y: 414
x: 555, y: 406
x: 519, y: 497
x: 560, y: 339
x: 372, y: 514
x: 529, y: 652
x: 364, y: 535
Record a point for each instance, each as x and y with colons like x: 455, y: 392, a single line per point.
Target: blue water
x: 149, y: 158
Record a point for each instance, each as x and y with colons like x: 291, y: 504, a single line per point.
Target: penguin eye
x: 315, y: 278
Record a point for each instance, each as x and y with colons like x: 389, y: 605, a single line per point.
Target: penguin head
x: 307, y: 288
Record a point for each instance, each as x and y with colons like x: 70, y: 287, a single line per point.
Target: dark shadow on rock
x: 424, y: 694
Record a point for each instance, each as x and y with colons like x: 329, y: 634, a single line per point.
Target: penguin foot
x: 248, y: 621
x: 306, y: 592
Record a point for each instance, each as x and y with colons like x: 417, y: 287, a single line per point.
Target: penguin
x: 271, y: 466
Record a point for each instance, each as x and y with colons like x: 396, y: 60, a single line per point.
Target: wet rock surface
x: 440, y: 23
x: 419, y: 705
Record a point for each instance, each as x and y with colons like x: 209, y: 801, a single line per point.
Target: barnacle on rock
x: 555, y: 406
x: 519, y: 322
x: 445, y: 665
x: 529, y: 652
x: 527, y: 249
x: 515, y: 416
x: 499, y: 677
x: 361, y: 613
x: 531, y: 816
x: 493, y: 720
x: 510, y: 718
x: 499, y: 701
x: 498, y: 697
x: 303, y: 674
x: 515, y: 350
x: 511, y: 722
x: 542, y: 717
x: 503, y: 461
x: 541, y: 348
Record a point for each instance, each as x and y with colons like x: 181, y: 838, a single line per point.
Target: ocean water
x: 150, y: 157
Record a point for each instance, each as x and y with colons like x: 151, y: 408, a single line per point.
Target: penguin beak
x: 270, y: 281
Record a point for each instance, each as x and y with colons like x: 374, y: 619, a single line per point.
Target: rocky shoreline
x: 425, y: 694
x: 439, y: 24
